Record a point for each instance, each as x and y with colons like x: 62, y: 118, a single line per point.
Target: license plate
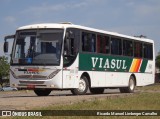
x: 30, y: 86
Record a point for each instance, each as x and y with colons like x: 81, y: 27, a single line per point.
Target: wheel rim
x: 82, y: 85
x: 131, y: 84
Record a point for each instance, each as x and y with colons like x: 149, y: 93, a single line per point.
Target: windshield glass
x: 37, y: 47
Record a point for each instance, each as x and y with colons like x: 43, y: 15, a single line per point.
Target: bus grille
x: 31, y: 82
x: 32, y: 77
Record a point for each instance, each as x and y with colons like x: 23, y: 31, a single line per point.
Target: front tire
x: 83, y: 86
x: 42, y: 92
x: 131, y: 86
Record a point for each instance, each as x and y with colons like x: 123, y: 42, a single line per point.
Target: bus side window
x: 127, y: 48
x: 88, y: 42
x: 116, y: 46
x: 102, y: 44
x: 148, y: 51
x: 137, y: 49
x: 107, y: 47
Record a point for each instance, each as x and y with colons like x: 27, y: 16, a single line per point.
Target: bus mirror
x: 5, y: 46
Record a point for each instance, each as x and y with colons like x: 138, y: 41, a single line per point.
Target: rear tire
x: 83, y: 86
x: 42, y: 92
x: 96, y: 90
x: 131, y: 86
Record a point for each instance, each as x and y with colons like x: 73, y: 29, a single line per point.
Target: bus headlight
x: 53, y: 74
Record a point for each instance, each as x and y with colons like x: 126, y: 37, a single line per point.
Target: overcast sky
x: 130, y: 17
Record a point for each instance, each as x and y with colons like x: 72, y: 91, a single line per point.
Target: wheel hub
x: 131, y: 83
x: 82, y: 85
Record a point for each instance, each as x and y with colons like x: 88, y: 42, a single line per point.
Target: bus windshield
x: 37, y: 47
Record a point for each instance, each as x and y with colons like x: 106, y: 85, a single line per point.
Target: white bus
x: 65, y: 56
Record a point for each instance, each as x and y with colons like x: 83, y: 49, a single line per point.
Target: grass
x: 138, y: 101
x: 143, y: 101
x: 155, y: 87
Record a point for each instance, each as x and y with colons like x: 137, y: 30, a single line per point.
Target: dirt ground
x: 23, y: 100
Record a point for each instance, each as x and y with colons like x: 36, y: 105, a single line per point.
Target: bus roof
x: 70, y: 25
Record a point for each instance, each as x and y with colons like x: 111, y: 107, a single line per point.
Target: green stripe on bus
x: 143, y: 65
x: 100, y: 62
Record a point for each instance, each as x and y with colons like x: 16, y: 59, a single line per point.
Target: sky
x: 129, y: 17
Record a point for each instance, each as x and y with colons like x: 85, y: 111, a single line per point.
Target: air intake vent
x: 141, y: 36
x: 65, y: 23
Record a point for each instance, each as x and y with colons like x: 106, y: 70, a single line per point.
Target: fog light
x: 51, y: 86
x: 14, y: 85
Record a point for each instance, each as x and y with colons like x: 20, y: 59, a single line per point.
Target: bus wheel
x: 131, y: 86
x: 96, y: 90
x: 42, y: 92
x: 83, y: 87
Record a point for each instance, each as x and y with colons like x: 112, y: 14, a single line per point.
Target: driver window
x: 71, y: 43
x: 71, y: 46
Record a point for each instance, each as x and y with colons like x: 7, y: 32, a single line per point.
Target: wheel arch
x: 86, y: 74
x: 135, y: 80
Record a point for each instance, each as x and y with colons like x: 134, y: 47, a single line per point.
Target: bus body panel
x: 71, y: 75
x: 115, y: 71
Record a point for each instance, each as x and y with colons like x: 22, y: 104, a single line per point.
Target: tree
x: 4, y: 70
x: 158, y: 61
x: 158, y: 66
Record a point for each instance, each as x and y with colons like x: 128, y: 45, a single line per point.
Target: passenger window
x: 127, y: 48
x: 138, y: 49
x: 103, y: 44
x: 116, y: 46
x: 148, y: 51
x: 88, y: 42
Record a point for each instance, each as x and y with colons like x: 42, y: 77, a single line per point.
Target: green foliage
x: 4, y: 69
x: 158, y: 61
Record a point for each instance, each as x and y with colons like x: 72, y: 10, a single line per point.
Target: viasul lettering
x: 108, y: 63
